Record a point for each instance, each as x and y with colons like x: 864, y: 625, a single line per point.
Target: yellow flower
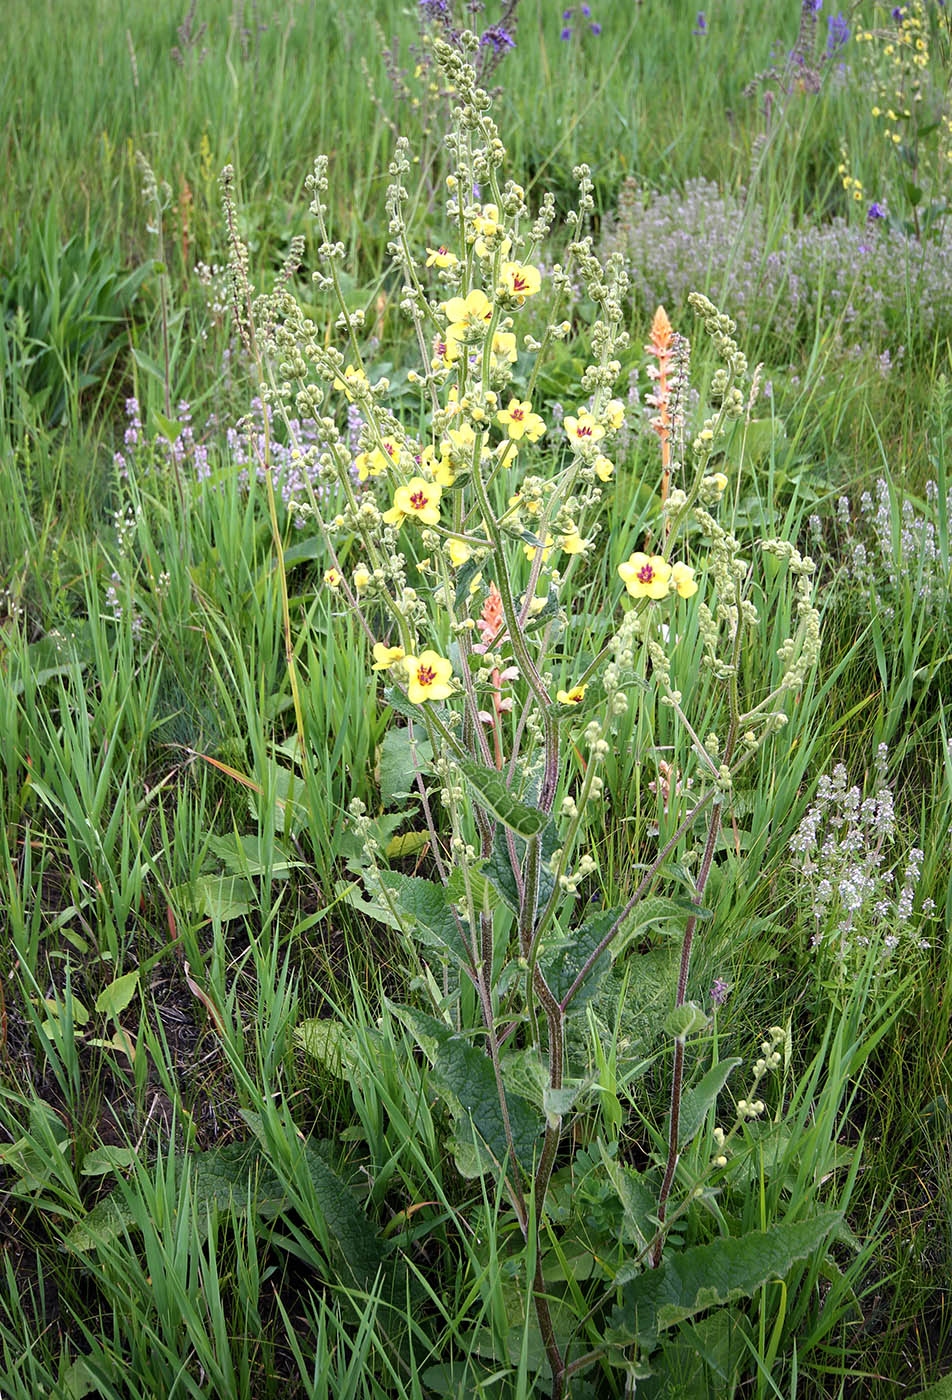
x: 375, y: 463
x: 488, y: 226
x: 530, y: 550
x: 361, y: 578
x: 615, y: 413
x: 459, y: 551
x: 682, y: 577
x: 332, y: 578
x: 573, y: 543
x: 441, y: 257
x: 504, y: 347
x: 531, y: 506
x: 519, y: 421
x: 521, y: 280
x: 604, y: 469
x: 428, y: 676
x: 720, y: 481
x: 419, y: 499
x: 385, y: 656
x: 467, y: 319
x: 644, y: 577
x: 583, y: 430
x: 573, y: 696
x: 440, y: 469
x: 351, y: 377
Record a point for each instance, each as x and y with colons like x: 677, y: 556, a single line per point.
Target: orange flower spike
x: 662, y: 348
x: 491, y: 618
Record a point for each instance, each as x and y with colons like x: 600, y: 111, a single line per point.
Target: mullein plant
x: 496, y: 511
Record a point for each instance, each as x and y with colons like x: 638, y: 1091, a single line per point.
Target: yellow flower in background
x: 521, y: 280
x: 615, y: 413
x: 385, y: 657
x: 352, y: 376
x: 646, y: 577
x: 361, y: 578
x: 419, y: 499
x: 572, y: 543
x: 459, y: 551
x: 332, y: 578
x: 376, y: 462
x: 573, y: 696
x: 429, y: 674
x: 438, y: 468
x: 682, y: 577
x: 604, y: 468
x: 583, y: 430
x: 530, y: 549
x: 519, y: 421
x: 504, y: 347
x: 720, y: 481
x: 440, y: 257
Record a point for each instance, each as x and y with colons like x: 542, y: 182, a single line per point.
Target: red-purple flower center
x: 519, y: 283
x: 517, y: 415
x: 418, y: 500
x: 425, y: 675
x: 645, y: 574
x: 583, y: 430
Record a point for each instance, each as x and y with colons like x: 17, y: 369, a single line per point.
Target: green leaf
x: 711, y: 1275
x: 498, y: 869
x: 492, y: 792
x: 217, y: 1177
x: 408, y: 844
x: 396, y: 767
x: 425, y: 904
x: 684, y: 1020
x: 485, y: 894
x: 216, y: 897
x: 463, y: 1075
x: 941, y: 1390
x: 330, y: 1043
x: 698, y: 1100
x: 114, y: 999
x: 562, y: 965
x: 639, y: 1199
x: 105, y: 1160
x: 170, y: 428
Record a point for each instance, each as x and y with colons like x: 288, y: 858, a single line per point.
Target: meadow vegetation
x: 475, y: 657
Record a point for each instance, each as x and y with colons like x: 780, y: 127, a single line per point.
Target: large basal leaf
x: 941, y: 1390
x: 217, y: 1177
x: 463, y: 1075
x: 425, y: 904
x: 492, y: 793
x: 711, y: 1275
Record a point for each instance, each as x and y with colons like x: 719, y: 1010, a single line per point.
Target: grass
x: 181, y: 894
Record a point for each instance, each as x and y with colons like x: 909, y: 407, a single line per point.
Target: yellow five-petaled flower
x: 520, y: 280
x: 646, y: 577
x: 571, y: 697
x: 652, y: 576
x: 419, y: 499
x: 583, y: 430
x: 385, y: 656
x: 428, y: 677
x: 520, y: 422
x: 468, y: 318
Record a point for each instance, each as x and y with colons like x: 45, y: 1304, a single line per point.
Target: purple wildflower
x: 700, y: 26
x: 499, y: 37
x: 595, y: 27
x: 838, y: 32
x: 587, y: 11
x: 718, y: 993
x: 875, y: 211
x: 566, y: 33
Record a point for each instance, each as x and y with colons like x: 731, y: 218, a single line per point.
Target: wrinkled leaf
x: 711, y: 1275
x: 492, y: 793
